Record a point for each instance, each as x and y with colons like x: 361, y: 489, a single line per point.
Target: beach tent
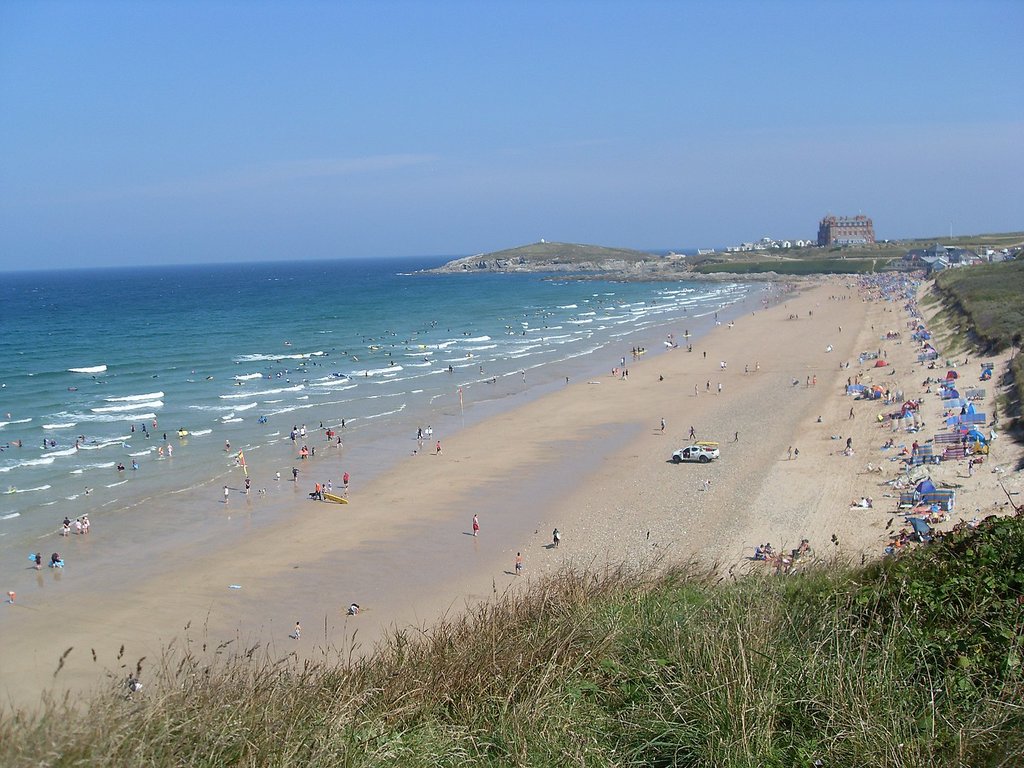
x: 948, y: 394
x: 880, y: 363
x: 976, y: 437
x: 925, y: 486
x: 986, y: 374
x: 970, y: 408
x: 950, y: 375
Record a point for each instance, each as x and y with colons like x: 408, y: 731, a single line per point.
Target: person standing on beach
x: 295, y: 475
x: 226, y: 494
x: 556, y: 538
x: 297, y: 632
x: 437, y: 448
x: 663, y: 426
x: 519, y: 563
x: 693, y: 433
x: 476, y: 525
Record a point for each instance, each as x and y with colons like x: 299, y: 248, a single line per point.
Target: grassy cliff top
x: 553, y: 256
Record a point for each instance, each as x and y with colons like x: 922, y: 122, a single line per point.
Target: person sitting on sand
x: 353, y: 610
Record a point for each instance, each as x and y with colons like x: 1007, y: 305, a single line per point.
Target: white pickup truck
x: 702, y: 451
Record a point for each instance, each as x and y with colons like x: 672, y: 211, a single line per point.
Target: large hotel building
x: 846, y: 230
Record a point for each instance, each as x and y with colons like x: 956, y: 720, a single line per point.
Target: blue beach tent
x: 925, y: 486
x: 975, y: 436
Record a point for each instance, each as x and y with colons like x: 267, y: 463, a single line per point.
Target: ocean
x: 170, y: 372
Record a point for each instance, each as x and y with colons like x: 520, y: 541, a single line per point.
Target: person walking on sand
x: 297, y: 632
x: 437, y: 448
x: 556, y: 538
x: 663, y: 426
x: 693, y: 434
x: 519, y: 563
x: 226, y: 494
x: 476, y: 525
x: 790, y: 454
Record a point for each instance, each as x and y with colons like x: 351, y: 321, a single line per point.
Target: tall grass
x: 609, y: 668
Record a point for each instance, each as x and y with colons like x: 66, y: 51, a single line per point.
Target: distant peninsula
x: 567, y: 257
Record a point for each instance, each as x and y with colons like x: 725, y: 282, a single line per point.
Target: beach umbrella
x: 880, y: 363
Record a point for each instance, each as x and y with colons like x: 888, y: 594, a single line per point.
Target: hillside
x: 909, y: 662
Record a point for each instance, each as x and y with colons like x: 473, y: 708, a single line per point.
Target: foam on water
x: 148, y: 405
x: 133, y: 398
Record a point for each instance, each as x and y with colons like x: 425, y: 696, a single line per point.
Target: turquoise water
x: 103, y: 367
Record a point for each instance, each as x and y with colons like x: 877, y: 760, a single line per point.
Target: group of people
x: 79, y: 525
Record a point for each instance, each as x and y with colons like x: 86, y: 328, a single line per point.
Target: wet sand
x: 589, y: 458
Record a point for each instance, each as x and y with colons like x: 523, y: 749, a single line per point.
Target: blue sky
x: 175, y: 132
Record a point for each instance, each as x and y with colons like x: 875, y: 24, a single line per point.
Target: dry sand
x: 590, y: 459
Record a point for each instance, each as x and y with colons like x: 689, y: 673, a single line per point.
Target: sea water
x: 128, y: 366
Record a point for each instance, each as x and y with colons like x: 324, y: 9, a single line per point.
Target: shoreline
x: 588, y: 458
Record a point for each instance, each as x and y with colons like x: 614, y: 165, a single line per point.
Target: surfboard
x: 335, y: 498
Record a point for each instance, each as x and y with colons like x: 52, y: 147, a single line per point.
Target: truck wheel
x: 704, y: 459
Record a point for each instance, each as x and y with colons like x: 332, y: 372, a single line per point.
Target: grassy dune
x: 909, y: 662
x: 988, y: 301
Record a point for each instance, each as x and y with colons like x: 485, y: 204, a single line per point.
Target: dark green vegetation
x: 989, y: 301
x: 991, y: 296
x: 795, y: 266
x: 908, y: 662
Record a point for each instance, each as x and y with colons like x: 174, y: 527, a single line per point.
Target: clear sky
x: 164, y: 132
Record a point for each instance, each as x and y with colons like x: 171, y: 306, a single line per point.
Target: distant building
x: 846, y: 230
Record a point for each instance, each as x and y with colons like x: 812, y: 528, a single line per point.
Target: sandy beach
x: 590, y: 459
